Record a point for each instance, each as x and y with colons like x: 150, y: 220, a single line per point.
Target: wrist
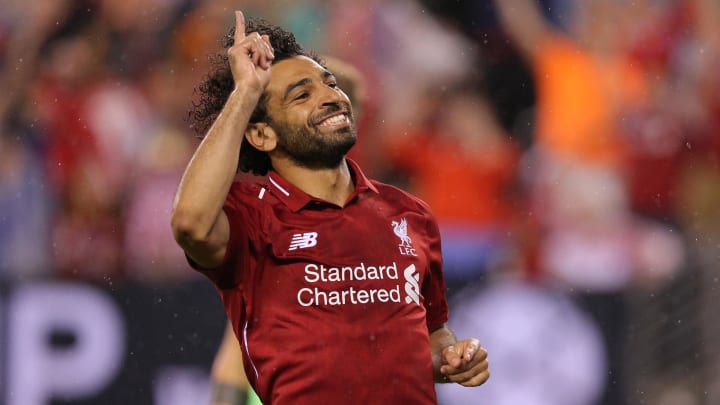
x: 240, y: 105
x: 228, y: 394
x: 247, y: 92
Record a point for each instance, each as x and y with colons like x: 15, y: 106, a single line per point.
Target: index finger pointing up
x: 239, y: 26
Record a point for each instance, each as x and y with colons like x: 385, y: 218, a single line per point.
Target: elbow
x: 188, y: 228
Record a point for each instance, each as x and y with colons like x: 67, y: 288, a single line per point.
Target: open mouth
x: 333, y: 121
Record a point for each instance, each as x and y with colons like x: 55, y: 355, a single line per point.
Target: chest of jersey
x: 353, y: 283
x: 350, y: 262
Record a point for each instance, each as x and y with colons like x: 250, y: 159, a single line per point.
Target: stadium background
x: 578, y: 205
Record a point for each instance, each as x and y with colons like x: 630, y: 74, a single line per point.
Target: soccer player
x: 332, y: 282
x: 228, y: 380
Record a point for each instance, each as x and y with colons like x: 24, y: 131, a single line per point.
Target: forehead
x: 289, y: 71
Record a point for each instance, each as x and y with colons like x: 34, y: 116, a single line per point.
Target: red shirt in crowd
x: 333, y: 304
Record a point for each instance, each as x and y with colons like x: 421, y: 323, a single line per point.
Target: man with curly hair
x: 332, y: 282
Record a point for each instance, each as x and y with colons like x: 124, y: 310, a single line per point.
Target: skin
x: 307, y: 141
x: 199, y: 224
x: 228, y: 374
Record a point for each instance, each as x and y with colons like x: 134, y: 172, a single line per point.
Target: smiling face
x: 311, y: 116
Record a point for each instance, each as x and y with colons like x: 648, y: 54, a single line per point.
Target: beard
x: 310, y: 148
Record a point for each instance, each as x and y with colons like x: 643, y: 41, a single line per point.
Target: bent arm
x: 199, y: 224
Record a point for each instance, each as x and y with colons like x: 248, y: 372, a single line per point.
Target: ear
x: 261, y: 136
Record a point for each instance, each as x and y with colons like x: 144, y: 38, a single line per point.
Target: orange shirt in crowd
x: 581, y: 100
x: 459, y: 184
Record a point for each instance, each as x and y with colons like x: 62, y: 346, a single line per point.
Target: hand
x: 250, y: 57
x: 465, y: 363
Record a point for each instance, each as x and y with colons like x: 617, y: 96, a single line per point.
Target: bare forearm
x: 229, y: 382
x: 210, y: 173
x: 199, y: 224
x: 523, y: 22
x: 440, y: 339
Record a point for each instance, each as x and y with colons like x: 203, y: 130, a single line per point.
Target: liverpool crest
x: 401, y: 231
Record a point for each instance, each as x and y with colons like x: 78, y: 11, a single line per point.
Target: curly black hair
x: 214, y: 91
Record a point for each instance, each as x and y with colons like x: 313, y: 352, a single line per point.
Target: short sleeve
x: 433, y: 289
x: 243, y: 229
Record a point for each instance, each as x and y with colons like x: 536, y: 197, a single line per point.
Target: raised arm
x: 524, y: 23
x: 199, y: 224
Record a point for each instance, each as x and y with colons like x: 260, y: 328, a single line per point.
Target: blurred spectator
x: 137, y: 32
x: 25, y: 208
x: 590, y: 240
x: 25, y: 197
x: 675, y: 46
x: 463, y: 164
x: 150, y: 250
x: 399, y: 48
x: 410, y: 50
x: 93, y: 124
x: 587, y: 87
x: 150, y: 253
x: 24, y: 27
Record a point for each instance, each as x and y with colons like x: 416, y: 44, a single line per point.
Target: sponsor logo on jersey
x: 400, y: 228
x: 412, y: 285
x: 322, y: 279
x: 303, y: 240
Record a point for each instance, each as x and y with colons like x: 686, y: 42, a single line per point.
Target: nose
x: 333, y: 95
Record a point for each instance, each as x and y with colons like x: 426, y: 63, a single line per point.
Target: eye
x: 333, y: 85
x: 302, y: 96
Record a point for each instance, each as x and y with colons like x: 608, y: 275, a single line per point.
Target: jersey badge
x: 401, y: 231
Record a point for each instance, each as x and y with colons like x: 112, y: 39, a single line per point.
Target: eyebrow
x: 304, y: 82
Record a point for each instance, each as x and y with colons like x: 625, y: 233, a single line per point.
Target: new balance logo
x: 303, y: 240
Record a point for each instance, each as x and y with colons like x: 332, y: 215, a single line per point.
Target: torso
x: 333, y: 303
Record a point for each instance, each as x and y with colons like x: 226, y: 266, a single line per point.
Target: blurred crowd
x: 570, y: 144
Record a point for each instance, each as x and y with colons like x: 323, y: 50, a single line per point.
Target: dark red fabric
x: 333, y: 319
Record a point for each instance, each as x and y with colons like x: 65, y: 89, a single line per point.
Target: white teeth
x: 334, y: 120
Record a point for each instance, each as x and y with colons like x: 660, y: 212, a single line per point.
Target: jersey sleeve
x: 433, y: 288
x: 244, y: 225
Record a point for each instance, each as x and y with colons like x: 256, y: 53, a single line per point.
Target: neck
x: 333, y: 185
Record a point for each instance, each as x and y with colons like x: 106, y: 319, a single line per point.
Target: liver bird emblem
x: 400, y: 229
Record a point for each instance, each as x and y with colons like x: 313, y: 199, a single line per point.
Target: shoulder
x: 398, y: 196
x: 245, y: 189
x: 246, y: 194
x: 405, y: 203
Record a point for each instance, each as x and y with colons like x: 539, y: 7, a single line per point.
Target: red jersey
x: 333, y: 304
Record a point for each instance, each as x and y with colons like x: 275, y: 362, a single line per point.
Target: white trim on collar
x: 282, y: 190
